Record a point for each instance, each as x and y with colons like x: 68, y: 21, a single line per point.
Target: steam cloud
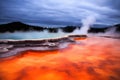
x: 86, y: 23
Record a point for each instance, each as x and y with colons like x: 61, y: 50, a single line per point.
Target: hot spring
x: 92, y: 58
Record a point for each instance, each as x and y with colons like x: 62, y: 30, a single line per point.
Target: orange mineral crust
x: 95, y: 58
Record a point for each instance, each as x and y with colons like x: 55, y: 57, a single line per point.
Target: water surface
x: 31, y: 35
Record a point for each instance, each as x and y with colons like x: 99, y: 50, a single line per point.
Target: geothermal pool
x: 32, y: 35
x: 93, y: 58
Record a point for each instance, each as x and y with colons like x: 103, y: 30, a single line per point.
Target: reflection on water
x: 97, y: 59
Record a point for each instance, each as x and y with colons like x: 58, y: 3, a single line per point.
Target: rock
x: 77, y: 36
x: 2, y: 50
x: 12, y: 47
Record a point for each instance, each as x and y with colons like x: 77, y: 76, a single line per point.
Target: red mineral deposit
x: 94, y: 58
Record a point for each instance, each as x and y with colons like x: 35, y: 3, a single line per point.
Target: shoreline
x: 12, y: 47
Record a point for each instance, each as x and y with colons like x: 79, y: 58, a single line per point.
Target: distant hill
x: 117, y: 27
x: 18, y: 26
x: 68, y: 29
x: 97, y: 30
x: 104, y: 29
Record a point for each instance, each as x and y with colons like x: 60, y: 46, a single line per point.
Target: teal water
x: 32, y: 35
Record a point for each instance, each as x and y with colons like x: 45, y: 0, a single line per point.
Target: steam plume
x: 86, y: 23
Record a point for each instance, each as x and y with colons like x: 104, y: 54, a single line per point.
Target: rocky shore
x: 13, y: 47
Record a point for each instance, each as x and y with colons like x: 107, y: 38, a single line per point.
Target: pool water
x: 32, y: 35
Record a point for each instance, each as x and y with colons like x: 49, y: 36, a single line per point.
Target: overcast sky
x: 59, y: 12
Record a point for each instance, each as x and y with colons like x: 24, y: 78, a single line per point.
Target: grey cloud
x: 59, y: 12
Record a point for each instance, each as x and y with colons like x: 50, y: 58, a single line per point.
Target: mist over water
x: 111, y: 32
x: 32, y: 35
x: 88, y: 22
x: 45, y: 34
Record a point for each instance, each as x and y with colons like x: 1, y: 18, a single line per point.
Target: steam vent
x: 73, y: 57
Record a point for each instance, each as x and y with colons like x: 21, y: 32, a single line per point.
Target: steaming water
x: 86, y: 23
x: 31, y: 35
x: 46, y: 34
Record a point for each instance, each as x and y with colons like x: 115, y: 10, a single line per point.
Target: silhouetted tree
x: 97, y: 30
x: 68, y: 29
x: 52, y: 30
x: 18, y: 26
x: 117, y: 27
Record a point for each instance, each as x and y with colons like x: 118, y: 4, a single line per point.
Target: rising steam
x: 86, y: 23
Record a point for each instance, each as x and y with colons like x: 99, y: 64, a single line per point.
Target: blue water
x: 31, y: 35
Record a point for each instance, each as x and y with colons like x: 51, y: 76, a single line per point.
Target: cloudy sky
x: 59, y: 12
